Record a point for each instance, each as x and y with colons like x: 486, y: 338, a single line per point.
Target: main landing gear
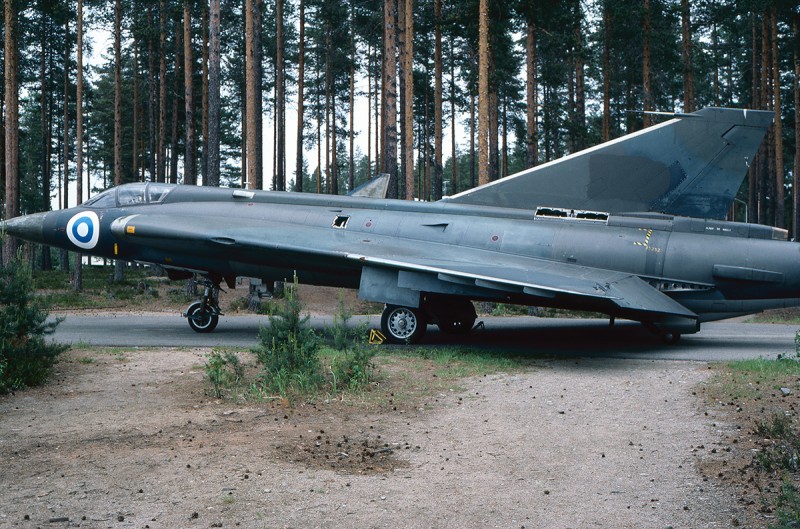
x: 203, y: 315
x: 407, y: 325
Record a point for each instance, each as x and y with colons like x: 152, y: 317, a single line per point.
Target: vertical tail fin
x: 692, y: 165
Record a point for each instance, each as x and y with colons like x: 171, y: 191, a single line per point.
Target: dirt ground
x: 131, y: 439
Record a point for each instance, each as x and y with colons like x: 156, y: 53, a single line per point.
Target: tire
x: 200, y: 320
x: 403, y: 325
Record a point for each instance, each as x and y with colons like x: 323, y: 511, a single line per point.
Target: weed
x: 351, y: 364
x: 788, y: 507
x: 224, y: 370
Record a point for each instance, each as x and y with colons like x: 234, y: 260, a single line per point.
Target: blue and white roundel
x: 83, y: 230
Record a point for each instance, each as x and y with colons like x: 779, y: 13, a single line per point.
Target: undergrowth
x: 25, y: 356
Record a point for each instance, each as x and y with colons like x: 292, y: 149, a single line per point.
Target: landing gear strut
x: 203, y: 315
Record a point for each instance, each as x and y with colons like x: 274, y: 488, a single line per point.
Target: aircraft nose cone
x: 28, y: 227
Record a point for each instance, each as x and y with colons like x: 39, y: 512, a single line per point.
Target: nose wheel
x: 403, y: 325
x: 201, y: 318
x: 203, y: 315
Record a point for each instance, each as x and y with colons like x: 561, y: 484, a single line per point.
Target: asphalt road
x: 727, y: 340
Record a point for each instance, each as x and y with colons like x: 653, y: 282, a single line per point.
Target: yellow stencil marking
x: 130, y: 229
x: 646, y: 242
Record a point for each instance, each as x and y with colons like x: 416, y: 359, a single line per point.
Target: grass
x: 753, y: 386
x: 747, y: 379
x: 786, y: 316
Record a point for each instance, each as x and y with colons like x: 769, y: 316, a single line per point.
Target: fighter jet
x: 630, y: 228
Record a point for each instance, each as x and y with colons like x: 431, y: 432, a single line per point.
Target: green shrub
x: 224, y: 370
x: 25, y: 356
x: 289, y: 349
x: 352, y: 367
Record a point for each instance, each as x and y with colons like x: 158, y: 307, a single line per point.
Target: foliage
x: 788, y: 507
x: 784, y: 452
x: 352, y: 367
x: 224, y: 370
x: 289, y: 349
x: 25, y: 355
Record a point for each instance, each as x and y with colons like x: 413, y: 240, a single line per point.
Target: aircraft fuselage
x: 712, y: 268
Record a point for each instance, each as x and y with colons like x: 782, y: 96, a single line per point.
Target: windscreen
x: 130, y: 195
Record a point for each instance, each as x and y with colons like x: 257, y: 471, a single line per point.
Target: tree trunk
x: 280, y: 103
x: 389, y: 156
x: 119, y: 272
x: 213, y: 95
x: 253, y: 93
x: 453, y: 156
x: 189, y: 169
x: 135, y: 149
x: 351, y: 136
x: 162, y: 92
x: 77, y: 280
x: 796, y: 172
x: 494, y: 133
x: 752, y: 172
x: 606, y: 134
x: 369, y: 111
x: 483, y: 93
x: 45, y: 145
x: 763, y: 172
x: 204, y: 97
x: 11, y: 125
x: 409, y: 102
x: 647, y: 94
x: 531, y: 140
x: 401, y: 80
x: 437, y: 101
x: 580, y: 93
x: 298, y: 179
x: 173, y: 166
x: 66, y: 113
x: 686, y: 53
x: 472, y: 166
x: 780, y: 200
x: 328, y: 113
x: 151, y: 98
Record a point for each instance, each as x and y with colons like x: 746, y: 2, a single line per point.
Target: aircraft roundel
x: 83, y: 230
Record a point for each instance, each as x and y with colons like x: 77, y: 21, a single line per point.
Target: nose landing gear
x: 203, y: 315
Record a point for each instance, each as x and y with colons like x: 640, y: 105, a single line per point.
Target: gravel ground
x: 130, y: 439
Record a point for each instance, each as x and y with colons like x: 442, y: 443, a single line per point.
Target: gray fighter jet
x: 629, y: 228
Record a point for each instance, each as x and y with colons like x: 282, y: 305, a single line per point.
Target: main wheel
x: 200, y: 319
x: 403, y: 324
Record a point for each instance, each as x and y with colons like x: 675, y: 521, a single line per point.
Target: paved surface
x: 728, y: 340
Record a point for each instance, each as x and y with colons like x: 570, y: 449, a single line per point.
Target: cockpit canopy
x: 131, y: 195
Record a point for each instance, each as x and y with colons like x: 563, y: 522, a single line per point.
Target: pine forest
x: 318, y: 96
